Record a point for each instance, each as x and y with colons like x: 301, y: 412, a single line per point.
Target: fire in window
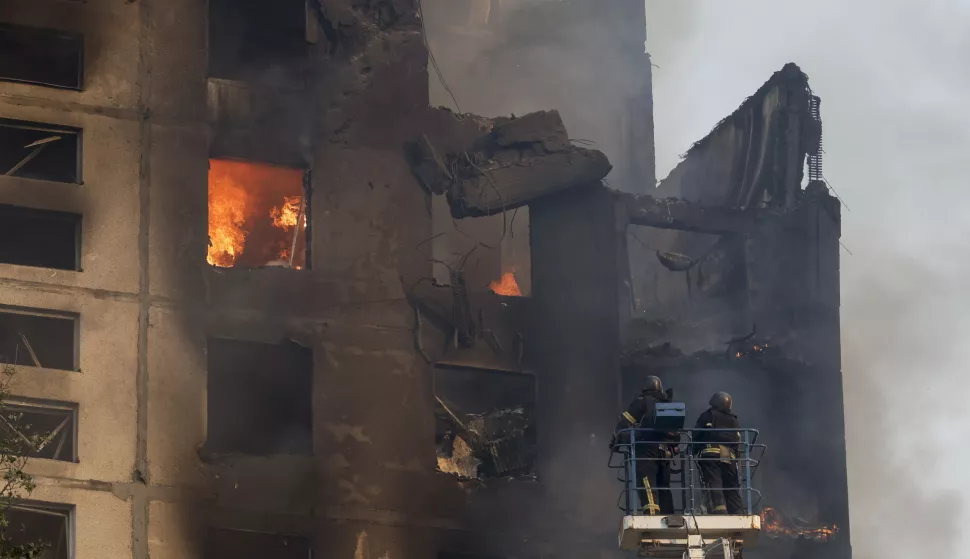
x: 245, y: 544
x: 494, y: 252
x: 259, y: 398
x: 257, y: 215
x: 36, y: 150
x: 48, y: 524
x: 485, y: 422
x: 41, y: 56
x: 38, y: 338
x: 41, y: 429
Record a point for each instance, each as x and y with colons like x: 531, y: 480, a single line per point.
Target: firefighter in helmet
x: 718, y: 453
x: 651, y: 468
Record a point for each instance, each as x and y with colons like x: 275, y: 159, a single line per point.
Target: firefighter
x: 653, y: 450
x: 718, y: 455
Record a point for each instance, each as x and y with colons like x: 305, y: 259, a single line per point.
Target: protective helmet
x: 721, y: 401
x: 653, y: 383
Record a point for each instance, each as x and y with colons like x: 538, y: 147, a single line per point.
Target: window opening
x: 41, y: 56
x: 259, y: 398
x: 41, y: 430
x: 258, y: 215
x: 257, y: 41
x: 49, y: 524
x: 38, y: 338
x: 36, y: 150
x: 485, y: 424
x: 497, y: 262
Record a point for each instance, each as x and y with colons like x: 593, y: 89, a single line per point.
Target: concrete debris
x: 456, y: 457
x: 675, y: 262
x: 516, y: 162
x: 482, y: 446
x: 677, y: 213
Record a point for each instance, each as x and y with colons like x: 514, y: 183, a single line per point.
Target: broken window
x: 41, y: 429
x: 497, y: 261
x: 257, y: 41
x: 485, y: 422
x: 259, y: 398
x: 245, y: 544
x: 41, y: 56
x: 257, y: 215
x: 38, y: 338
x: 36, y: 150
x: 49, y: 524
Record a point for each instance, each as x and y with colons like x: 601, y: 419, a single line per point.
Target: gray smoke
x: 893, y: 81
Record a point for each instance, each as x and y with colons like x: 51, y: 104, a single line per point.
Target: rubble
x: 517, y: 161
x: 684, y: 215
x: 488, y: 445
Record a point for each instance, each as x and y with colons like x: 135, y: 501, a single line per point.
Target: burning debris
x: 747, y: 346
x: 518, y: 161
x: 776, y: 524
x: 506, y: 285
x: 481, y: 446
x: 257, y: 215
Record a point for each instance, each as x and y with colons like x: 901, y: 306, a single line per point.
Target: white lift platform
x: 689, y: 536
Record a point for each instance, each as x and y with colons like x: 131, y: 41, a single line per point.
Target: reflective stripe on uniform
x: 716, y: 451
x: 720, y: 508
x: 629, y: 418
x: 652, y: 507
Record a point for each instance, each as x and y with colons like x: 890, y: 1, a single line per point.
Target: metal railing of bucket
x: 688, y: 494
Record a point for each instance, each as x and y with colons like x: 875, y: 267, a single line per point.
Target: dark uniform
x: 718, y: 463
x: 652, y: 452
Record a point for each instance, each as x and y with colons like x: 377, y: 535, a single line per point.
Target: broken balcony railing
x: 686, y: 486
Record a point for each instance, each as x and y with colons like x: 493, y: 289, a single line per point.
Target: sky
x: 894, y: 78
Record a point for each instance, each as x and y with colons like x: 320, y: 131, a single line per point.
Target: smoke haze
x: 893, y: 80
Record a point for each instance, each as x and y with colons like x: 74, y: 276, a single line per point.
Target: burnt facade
x: 228, y: 297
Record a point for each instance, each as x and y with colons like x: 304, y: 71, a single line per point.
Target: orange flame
x: 285, y: 216
x: 228, y: 205
x: 506, y: 285
x: 776, y: 524
x: 239, y: 195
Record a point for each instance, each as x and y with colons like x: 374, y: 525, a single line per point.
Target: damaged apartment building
x: 275, y: 304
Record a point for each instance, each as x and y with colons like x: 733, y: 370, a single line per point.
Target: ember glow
x: 506, y: 285
x: 776, y: 524
x: 253, y: 212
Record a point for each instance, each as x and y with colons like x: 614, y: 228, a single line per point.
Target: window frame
x: 49, y: 313
x: 442, y: 367
x: 306, y: 193
x: 69, y: 511
x: 45, y: 33
x: 57, y: 129
x: 211, y: 451
x: 13, y: 403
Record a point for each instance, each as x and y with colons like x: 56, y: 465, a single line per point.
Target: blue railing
x: 685, y: 492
